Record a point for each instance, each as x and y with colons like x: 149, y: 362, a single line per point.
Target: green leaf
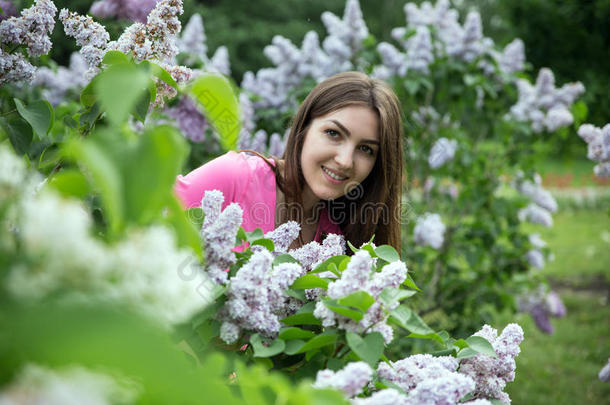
x: 352, y: 247
x: 387, y: 253
x: 460, y: 343
x: 369, y: 248
x: 295, y: 333
x: 284, y: 258
x: 324, y: 339
x: 389, y: 296
x: 430, y: 336
x: 221, y: 107
x: 303, y: 316
x: 260, y: 350
x: 70, y: 183
x: 481, y: 345
x: 298, y: 294
x: 187, y: 233
x: 401, y: 315
x: 105, y: 176
x: 114, y: 58
x: 87, y: 95
x: 160, y: 73
x: 360, y: 299
x: 466, y: 353
x: 266, y: 243
x: 369, y: 348
x: 410, y: 283
x: 324, y: 266
x: 293, y: 346
x: 254, y: 235
x: 354, y: 314
x: 39, y: 114
x: 416, y: 325
x: 309, y: 281
x: 119, y: 88
x: 19, y: 133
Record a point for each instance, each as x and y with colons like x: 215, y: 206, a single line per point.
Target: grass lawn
x: 562, y: 368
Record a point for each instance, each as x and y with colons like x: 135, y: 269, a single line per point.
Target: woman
x: 341, y: 171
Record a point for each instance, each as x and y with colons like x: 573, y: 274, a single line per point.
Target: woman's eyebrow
x: 342, y: 128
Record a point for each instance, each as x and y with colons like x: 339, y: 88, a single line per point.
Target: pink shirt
x: 244, y: 179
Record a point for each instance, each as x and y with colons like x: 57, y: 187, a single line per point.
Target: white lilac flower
x: 445, y: 389
x: 92, y: 37
x: 542, y: 304
x: 491, y: 374
x: 277, y: 145
x: 284, y: 235
x: 162, y: 27
x: 598, y: 147
x: 442, y: 152
x: 535, y: 258
x: 354, y: 277
x: 314, y: 253
x: 534, y: 190
x: 512, y: 59
x: 388, y: 396
x: 411, y: 371
x: 134, y: 10
x: 229, y: 332
x: 258, y: 142
x: 604, y: 373
x: 12, y: 170
x: 350, y: 380
x: 394, y: 60
x: 189, y: 119
x: 219, y: 62
x: 429, y: 230
x: 74, y: 385
x: 536, y: 215
x: 193, y: 39
x: 15, y: 68
x: 544, y: 106
x: 32, y: 28
x: 218, y: 231
x: 419, y: 51
x: 391, y: 275
x: 56, y: 85
x: 350, y: 31
x: 255, y: 297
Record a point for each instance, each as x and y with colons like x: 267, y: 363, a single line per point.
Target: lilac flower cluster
x: 189, y: 119
x: 534, y: 256
x: 542, y: 304
x: 491, y: 374
x: 134, y: 10
x: 292, y: 65
x: 192, y: 44
x: 32, y: 30
x: 56, y: 85
x: 92, y: 37
x: 360, y: 275
x: 256, y: 299
x: 314, y: 253
x: 442, y: 152
x: 284, y: 235
x: 598, y: 147
x: 429, y: 230
x: 8, y: 10
x: 218, y: 231
x: 544, y: 106
x: 258, y: 142
x: 350, y: 380
x: 604, y: 373
x: 543, y: 204
x: 36, y: 384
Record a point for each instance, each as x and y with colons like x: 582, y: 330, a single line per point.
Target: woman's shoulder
x: 230, y: 173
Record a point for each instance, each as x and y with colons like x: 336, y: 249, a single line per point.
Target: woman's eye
x: 332, y: 133
x: 367, y: 149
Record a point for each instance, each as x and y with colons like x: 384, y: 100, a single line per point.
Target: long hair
x: 374, y: 207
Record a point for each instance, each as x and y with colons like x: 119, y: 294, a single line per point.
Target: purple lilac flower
x: 218, y: 231
x: 134, y: 10
x: 410, y: 371
x: 57, y: 84
x: 32, y: 28
x: 354, y: 277
x: 15, y: 68
x: 394, y: 60
x: 313, y: 253
x: 442, y: 152
x: 229, y: 332
x: 284, y: 235
x: 537, y: 193
x: 598, y: 147
x: 542, y: 304
x: 536, y: 215
x: 446, y: 389
x: 419, y: 51
x: 512, y: 59
x: 388, y: 396
x: 8, y: 10
x: 277, y: 145
x: 555, y: 305
x: 189, y: 118
x: 255, y: 296
x: 429, y: 230
x: 351, y: 379
x: 604, y: 373
x: 544, y: 106
x: 491, y: 374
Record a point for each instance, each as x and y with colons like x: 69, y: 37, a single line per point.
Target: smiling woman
x: 341, y: 171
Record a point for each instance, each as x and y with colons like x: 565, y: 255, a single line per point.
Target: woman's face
x: 339, y: 152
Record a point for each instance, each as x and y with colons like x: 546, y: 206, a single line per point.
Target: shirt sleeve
x: 227, y: 173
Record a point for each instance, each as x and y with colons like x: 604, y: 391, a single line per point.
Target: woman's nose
x: 344, y: 157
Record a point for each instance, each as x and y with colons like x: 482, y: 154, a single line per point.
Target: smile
x: 332, y: 174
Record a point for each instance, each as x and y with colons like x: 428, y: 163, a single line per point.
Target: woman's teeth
x: 333, y: 175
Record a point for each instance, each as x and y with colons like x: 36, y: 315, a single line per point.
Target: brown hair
x: 375, y: 210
